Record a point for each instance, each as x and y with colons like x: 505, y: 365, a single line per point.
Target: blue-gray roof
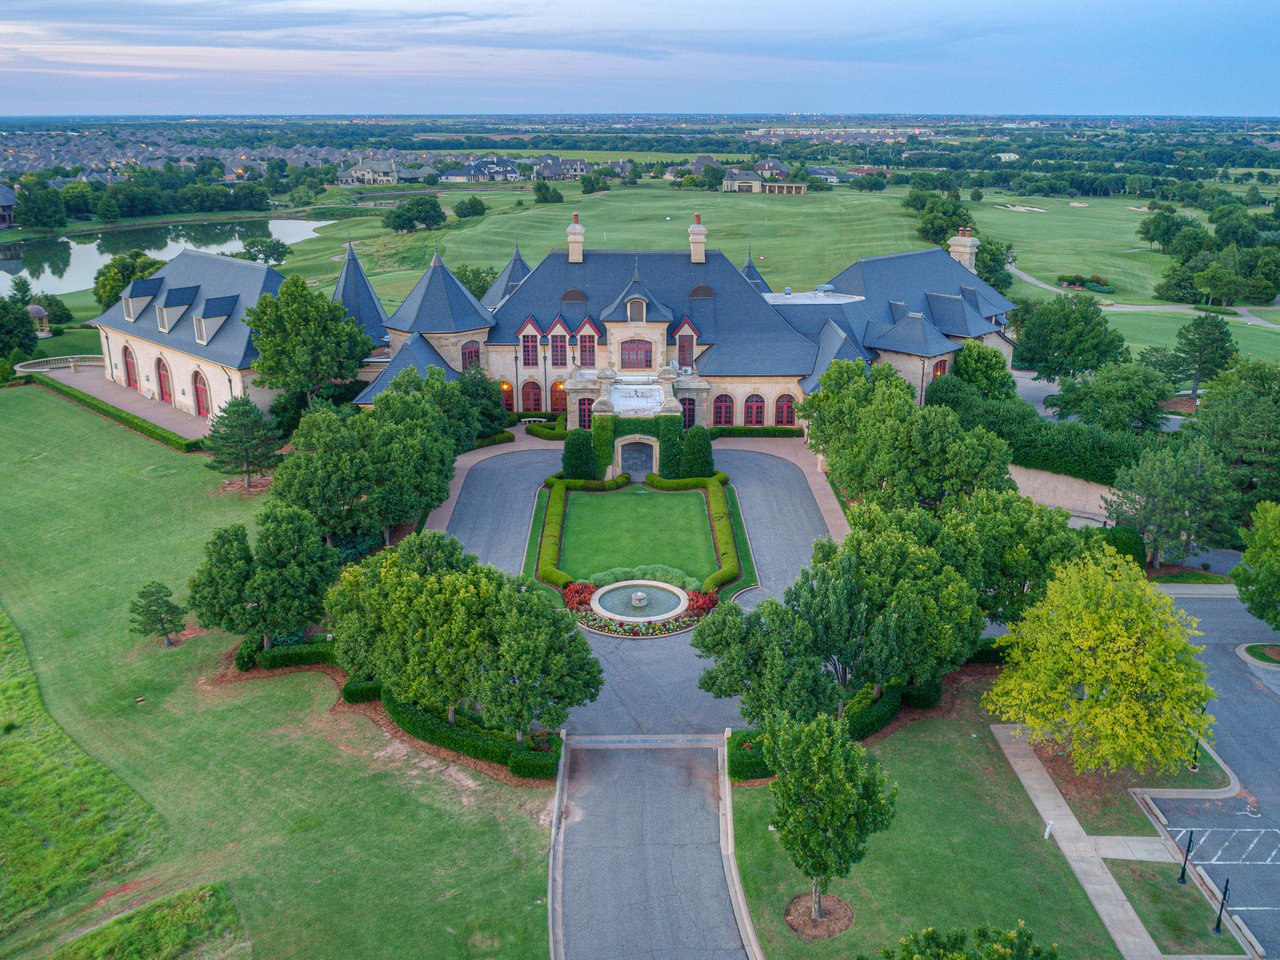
x: 655, y: 310
x: 355, y: 293
x: 512, y: 276
x: 7, y: 197
x: 439, y: 303
x: 416, y: 353
x: 958, y: 315
x: 751, y: 273
x: 912, y: 334
x: 225, y: 286
x: 910, y: 277
x: 181, y: 296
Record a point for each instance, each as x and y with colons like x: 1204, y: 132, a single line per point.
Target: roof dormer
x: 214, y: 314
x: 176, y: 302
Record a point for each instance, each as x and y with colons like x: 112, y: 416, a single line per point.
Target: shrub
x: 874, y: 718
x: 726, y: 547
x: 137, y: 424
x: 577, y: 595
x: 361, y: 691
x: 597, y: 486
x: 650, y: 571
x: 923, y: 696
x: 700, y: 604
x: 745, y: 756
x: 552, y: 530
x: 579, y: 457
x: 543, y: 432
x: 1127, y: 542
x: 718, y: 432
x: 295, y: 656
x: 686, y: 483
x: 247, y: 653
x: 503, y: 436
x: 697, y: 460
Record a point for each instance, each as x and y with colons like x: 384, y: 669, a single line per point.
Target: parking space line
x: 1209, y: 849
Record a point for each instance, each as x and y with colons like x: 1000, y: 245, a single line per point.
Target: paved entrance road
x: 496, y: 504
x: 1239, y: 837
x: 643, y: 876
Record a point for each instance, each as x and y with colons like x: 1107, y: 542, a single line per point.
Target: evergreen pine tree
x: 242, y: 440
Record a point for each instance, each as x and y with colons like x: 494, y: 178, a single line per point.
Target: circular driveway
x: 495, y: 507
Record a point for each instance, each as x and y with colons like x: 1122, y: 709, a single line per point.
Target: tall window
x: 508, y: 396
x: 559, y: 350
x: 635, y: 311
x: 200, y: 388
x: 559, y: 403
x: 529, y: 349
x: 587, y: 350
x: 470, y: 354
x: 784, y: 411
x: 722, y: 415
x: 637, y: 355
x: 753, y: 411
x: 940, y: 367
x: 130, y: 368
x: 684, y: 347
x: 689, y: 407
x: 163, y: 383
x: 531, y: 397
x: 584, y: 413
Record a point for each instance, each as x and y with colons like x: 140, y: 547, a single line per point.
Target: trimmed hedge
x: 543, y: 432
x: 471, y: 738
x: 726, y: 546
x: 873, y: 719
x: 745, y: 756
x: 718, y: 432
x: 923, y: 696
x: 503, y: 436
x: 144, y: 427
x: 552, y: 530
x: 247, y: 653
x: 297, y: 655
x: 687, y: 483
x: 361, y: 691
x: 594, y: 486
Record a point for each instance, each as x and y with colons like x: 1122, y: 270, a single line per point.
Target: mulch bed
x: 1179, y: 405
x: 952, y: 684
x: 377, y: 713
x: 1272, y: 651
x: 256, y: 486
x: 837, y: 917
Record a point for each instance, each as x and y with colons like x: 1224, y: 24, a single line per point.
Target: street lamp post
x: 1182, y: 877
x: 1222, y: 905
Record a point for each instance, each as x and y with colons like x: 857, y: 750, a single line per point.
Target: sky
x: 194, y: 57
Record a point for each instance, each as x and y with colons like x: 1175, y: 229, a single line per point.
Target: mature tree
x: 408, y: 216
x: 241, y: 440
x: 975, y: 195
x: 1164, y: 361
x: 484, y: 397
x: 1162, y: 226
x: 579, y: 457
x: 697, y: 459
x: 1205, y: 348
x: 293, y: 569
x: 472, y: 206
x: 20, y: 291
x: 1118, y: 396
x: 304, y: 339
x: 985, y: 367
x: 58, y: 313
x: 120, y: 271
x: 40, y: 208
x: 78, y: 199
x: 544, y: 192
x: 267, y: 250
x: 476, y: 279
x: 1068, y: 336
x: 1240, y: 418
x: 992, y: 263
x: 835, y: 411
x: 17, y: 332
x: 409, y: 395
x: 1219, y: 282
x: 1178, y: 285
x: 1178, y: 496
x: 1258, y: 574
x: 542, y: 666
x: 985, y: 944
x: 154, y: 613
x: 829, y: 797
x: 1104, y: 666
x: 219, y: 589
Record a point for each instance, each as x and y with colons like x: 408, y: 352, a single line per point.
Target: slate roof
x: 655, y: 310
x: 224, y: 286
x: 439, y: 303
x: 911, y: 277
x: 7, y: 197
x: 416, y: 353
x: 958, y: 315
x: 751, y: 273
x: 511, y: 277
x: 747, y: 336
x: 912, y: 334
x: 355, y: 293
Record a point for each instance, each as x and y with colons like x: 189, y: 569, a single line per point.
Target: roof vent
x: 786, y: 292
x: 823, y: 289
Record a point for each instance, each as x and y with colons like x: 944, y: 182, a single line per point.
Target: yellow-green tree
x: 1104, y: 666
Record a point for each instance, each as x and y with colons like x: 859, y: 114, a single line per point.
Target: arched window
x: 784, y: 411
x: 559, y: 403
x: 753, y: 411
x: 559, y: 350
x: 163, y: 383
x: 587, y: 350
x: 723, y: 411
x: 702, y: 291
x: 529, y: 349
x: 684, y: 350
x: 200, y: 390
x: 689, y: 407
x: 130, y: 368
x: 637, y: 355
x: 508, y: 396
x: 573, y: 296
x: 940, y: 367
x: 584, y: 413
x: 470, y: 354
x: 531, y: 397
x: 635, y: 311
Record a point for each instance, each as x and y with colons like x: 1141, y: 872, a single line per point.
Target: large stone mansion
x: 586, y: 331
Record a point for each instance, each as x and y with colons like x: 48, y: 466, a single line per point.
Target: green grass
x: 202, y: 922
x: 332, y: 840
x: 1192, y: 576
x: 746, y: 556
x: 1259, y: 652
x: 73, y: 343
x: 965, y: 849
x: 1177, y: 916
x: 636, y: 526
x: 1156, y: 328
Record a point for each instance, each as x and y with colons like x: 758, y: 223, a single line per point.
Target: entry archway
x: 634, y: 454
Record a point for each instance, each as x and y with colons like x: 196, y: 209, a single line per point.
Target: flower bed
x: 577, y: 597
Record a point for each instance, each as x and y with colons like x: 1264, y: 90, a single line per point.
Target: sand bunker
x: 1139, y: 209
x: 1075, y: 204
x: 1017, y: 209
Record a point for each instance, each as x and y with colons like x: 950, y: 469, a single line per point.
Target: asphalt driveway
x: 493, y: 511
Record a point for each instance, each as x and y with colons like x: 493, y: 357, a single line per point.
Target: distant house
x: 772, y: 169
x: 382, y: 173
x: 746, y: 181
x: 554, y: 168
x: 8, y: 200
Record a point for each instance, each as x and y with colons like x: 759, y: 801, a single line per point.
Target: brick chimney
x: 698, y: 240
x: 964, y: 249
x: 577, y: 235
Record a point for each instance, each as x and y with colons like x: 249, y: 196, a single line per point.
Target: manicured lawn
x: 73, y: 343
x: 636, y: 526
x: 1157, y: 328
x: 333, y: 841
x: 1260, y: 651
x: 965, y: 849
x: 746, y: 555
x: 1177, y: 916
x: 1192, y: 576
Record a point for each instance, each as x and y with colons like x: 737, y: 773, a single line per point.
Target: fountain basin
x: 660, y: 601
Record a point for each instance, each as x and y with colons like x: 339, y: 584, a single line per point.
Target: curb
x: 1243, y: 654
x: 1174, y: 793
x: 729, y: 857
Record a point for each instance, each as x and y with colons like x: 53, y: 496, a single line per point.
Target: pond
x: 66, y: 264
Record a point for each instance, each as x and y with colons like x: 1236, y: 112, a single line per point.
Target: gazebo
x: 40, y: 317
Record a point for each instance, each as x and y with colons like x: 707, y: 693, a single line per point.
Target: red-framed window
x: 531, y: 397
x: 559, y: 402
x: 587, y: 350
x: 200, y: 389
x: 689, y: 407
x: 508, y: 396
x: 753, y: 411
x: 470, y: 354
x: 130, y: 368
x: 559, y: 350
x: 637, y: 355
x: 163, y: 383
x: 940, y: 367
x: 684, y: 349
x: 722, y: 411
x: 784, y: 411
x: 584, y: 413
x: 529, y: 349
